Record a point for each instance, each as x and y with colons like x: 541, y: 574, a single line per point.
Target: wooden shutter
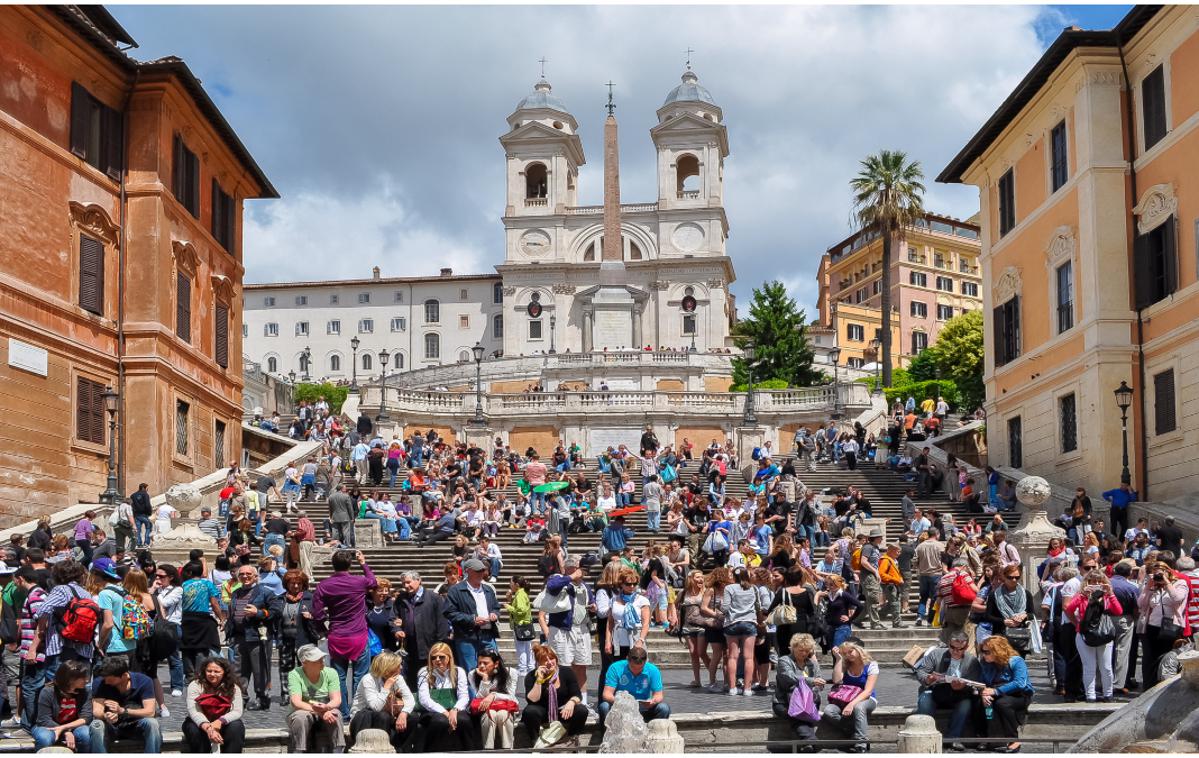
x: 177, y: 168
x: 91, y: 274
x: 997, y: 335
x: 216, y: 212
x: 221, y: 352
x: 1163, y: 403
x: 89, y: 411
x: 183, y: 308
x: 194, y: 176
x: 81, y: 107
x: 1169, y: 256
x: 1014, y: 329
x: 111, y: 142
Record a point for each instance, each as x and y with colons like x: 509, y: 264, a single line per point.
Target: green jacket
x: 520, y: 610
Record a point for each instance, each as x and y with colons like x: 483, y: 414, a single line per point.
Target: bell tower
x: 692, y: 144
x: 543, y: 153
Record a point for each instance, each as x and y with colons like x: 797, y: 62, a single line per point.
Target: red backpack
x: 961, y: 591
x: 80, y: 619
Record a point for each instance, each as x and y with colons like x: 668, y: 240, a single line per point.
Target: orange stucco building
x: 1089, y: 184
x: 121, y: 189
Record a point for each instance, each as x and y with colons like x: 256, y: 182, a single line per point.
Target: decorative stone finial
x: 1033, y: 492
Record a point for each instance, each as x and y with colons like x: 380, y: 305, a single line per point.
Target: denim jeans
x: 43, y: 738
x: 33, y: 678
x: 537, y: 501
x: 657, y: 711
x: 466, y: 652
x: 959, y: 706
x: 145, y: 731
x: 361, y: 664
x: 175, y: 662
x: 144, y: 528
x: 928, y: 594
x: 841, y: 633
x: 653, y: 519
x: 858, y: 721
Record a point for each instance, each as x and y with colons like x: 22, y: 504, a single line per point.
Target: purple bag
x: 803, y: 703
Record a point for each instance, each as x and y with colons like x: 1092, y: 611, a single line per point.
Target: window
x: 970, y: 288
x: 1164, y: 420
x: 398, y: 357
x: 335, y: 363
x: 855, y: 362
x: 366, y: 361
x: 944, y: 312
x: 399, y: 296
x: 1067, y: 414
x: 364, y: 298
x: 1007, y: 202
x: 1059, y: 167
x: 270, y: 329
x: 301, y: 300
x: 182, y: 427
x: 497, y: 293
x: 245, y: 330
x: 1015, y: 443
x: 860, y: 295
x: 1153, y: 106
x: 272, y: 365
x: 1155, y: 264
x: 432, y: 346
x: 89, y: 411
x: 399, y: 324
x: 876, y: 287
x: 919, y: 342
x: 536, y: 184
x: 221, y: 335
x: 463, y: 294
x: 333, y: 327
x: 218, y: 442
x: 269, y: 302
x: 464, y: 356
x: 366, y: 325
x: 689, y: 324
x: 535, y: 330
x: 497, y: 326
x: 1007, y: 331
x: 91, y: 274
x: 334, y: 299
x: 965, y: 266
x: 945, y: 284
x: 919, y: 309
x: 939, y: 259
x: 1065, y: 297
x: 185, y: 179
x: 95, y: 132
x: 855, y: 333
x: 301, y: 328
x: 432, y: 312
x: 222, y: 217
x: 463, y: 321
x: 183, y: 307
x: 918, y: 279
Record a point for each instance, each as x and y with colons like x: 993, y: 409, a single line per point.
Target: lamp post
x: 384, y: 356
x: 110, y: 494
x: 750, y: 418
x: 693, y: 350
x: 834, y: 355
x: 354, y: 343
x: 553, y: 325
x: 876, y: 345
x: 291, y: 375
x: 478, y: 351
x: 1123, y: 400
x: 306, y: 361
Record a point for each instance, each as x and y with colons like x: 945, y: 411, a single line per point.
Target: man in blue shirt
x: 616, y: 535
x: 1119, y: 499
x: 641, y: 679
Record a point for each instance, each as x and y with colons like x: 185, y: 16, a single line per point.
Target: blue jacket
x: 460, y: 611
x: 1119, y: 498
x: 1009, y: 680
x: 616, y: 537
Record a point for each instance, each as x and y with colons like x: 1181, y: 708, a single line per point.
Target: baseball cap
x: 6, y: 570
x: 309, y: 653
x: 104, y: 566
x: 474, y: 564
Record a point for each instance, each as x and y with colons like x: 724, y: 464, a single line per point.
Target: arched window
x: 497, y: 293
x: 687, y: 173
x: 366, y: 361
x: 335, y: 363
x: 272, y: 365
x: 536, y: 181
x: 432, y: 311
x: 589, y: 255
x: 398, y: 357
x: 634, y: 251
x: 497, y: 326
x: 432, y: 346
x: 464, y: 356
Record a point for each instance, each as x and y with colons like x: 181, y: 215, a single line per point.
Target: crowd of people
x: 765, y: 592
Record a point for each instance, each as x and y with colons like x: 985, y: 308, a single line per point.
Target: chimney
x: 375, y: 274
x: 447, y: 272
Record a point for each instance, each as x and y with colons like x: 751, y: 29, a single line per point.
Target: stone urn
x: 1032, y: 537
x: 184, y: 498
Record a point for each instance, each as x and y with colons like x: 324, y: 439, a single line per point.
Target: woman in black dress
x: 553, y: 695
x: 799, y: 592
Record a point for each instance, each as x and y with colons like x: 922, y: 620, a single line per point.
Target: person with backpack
x: 104, y: 583
x: 145, y: 622
x: 956, y: 592
x: 1093, y: 611
x: 68, y: 618
x: 32, y: 649
x: 122, y: 522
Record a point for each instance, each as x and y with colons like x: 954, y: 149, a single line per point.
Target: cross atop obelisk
x: 613, y: 247
x: 542, y: 60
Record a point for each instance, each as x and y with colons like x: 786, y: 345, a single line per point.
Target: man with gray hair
x: 209, y: 525
x: 423, y: 622
x: 1127, y: 593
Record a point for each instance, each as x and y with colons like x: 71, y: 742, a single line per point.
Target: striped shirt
x: 27, y: 621
x: 59, y: 598
x: 1192, y: 580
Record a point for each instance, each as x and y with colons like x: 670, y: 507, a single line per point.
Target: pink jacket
x: 1076, y: 608
x: 1173, y: 602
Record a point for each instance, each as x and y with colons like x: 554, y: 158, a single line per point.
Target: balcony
x: 914, y: 258
x: 536, y: 202
x: 688, y: 195
x: 598, y: 210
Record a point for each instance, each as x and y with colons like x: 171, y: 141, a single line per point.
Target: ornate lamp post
x: 291, y: 375
x: 750, y: 418
x: 478, y: 351
x: 306, y: 361
x: 834, y: 355
x: 384, y: 356
x: 354, y: 343
x: 875, y: 346
x: 553, y: 325
x: 110, y: 494
x: 1123, y: 400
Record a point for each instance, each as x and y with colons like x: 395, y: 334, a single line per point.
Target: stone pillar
x: 480, y: 436
x: 1032, y: 537
x: 587, y: 321
x: 749, y: 437
x: 637, y: 330
x: 613, y: 245
x: 919, y: 735
x: 664, y: 737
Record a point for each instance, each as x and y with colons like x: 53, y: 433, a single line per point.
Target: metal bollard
x: 919, y: 735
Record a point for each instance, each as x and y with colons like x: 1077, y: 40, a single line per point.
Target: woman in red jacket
x: 1094, y: 645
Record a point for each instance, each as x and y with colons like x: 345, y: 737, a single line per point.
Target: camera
x: 1159, y: 577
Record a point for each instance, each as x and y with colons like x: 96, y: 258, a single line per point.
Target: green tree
x: 924, y: 367
x: 777, y: 327
x: 334, y: 394
x: 959, y: 356
x: 888, y: 197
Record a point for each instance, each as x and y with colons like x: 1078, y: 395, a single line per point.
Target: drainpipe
x: 1143, y: 431
x: 123, y: 211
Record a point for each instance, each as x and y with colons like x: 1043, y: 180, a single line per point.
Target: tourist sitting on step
x: 851, y: 695
x: 1006, y: 696
x: 799, y: 667
x: 945, y: 674
x: 641, y: 679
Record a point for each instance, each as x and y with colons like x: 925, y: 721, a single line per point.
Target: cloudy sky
x: 379, y: 125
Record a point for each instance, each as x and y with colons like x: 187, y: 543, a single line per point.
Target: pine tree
x: 777, y: 327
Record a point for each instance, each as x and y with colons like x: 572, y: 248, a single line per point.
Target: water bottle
x: 987, y: 712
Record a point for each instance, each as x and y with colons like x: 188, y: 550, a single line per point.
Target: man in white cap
x: 474, y: 612
x: 316, y: 704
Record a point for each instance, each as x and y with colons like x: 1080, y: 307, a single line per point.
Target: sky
x: 379, y: 125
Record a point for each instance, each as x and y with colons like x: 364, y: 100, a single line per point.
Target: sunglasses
x: 439, y: 657
x: 161, y: 575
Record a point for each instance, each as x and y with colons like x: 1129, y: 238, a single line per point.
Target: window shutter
x: 1163, y: 403
x: 111, y: 142
x: 177, y: 169
x: 183, y: 308
x: 194, y: 169
x: 216, y: 212
x: 998, y: 334
x: 91, y: 275
x: 1014, y: 329
x: 1170, y: 255
x: 89, y: 411
x: 81, y: 105
x: 1142, y: 277
x: 221, y: 352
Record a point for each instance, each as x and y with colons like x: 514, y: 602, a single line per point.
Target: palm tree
x: 888, y: 197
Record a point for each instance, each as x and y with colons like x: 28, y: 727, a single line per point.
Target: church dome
x: 542, y: 97
x: 690, y: 91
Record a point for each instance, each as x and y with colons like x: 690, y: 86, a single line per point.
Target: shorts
x: 573, y: 646
x: 714, y: 635
x: 741, y: 629
x: 660, y: 603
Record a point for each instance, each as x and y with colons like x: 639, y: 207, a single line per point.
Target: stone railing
x: 596, y: 210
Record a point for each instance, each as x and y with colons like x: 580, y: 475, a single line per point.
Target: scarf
x: 552, y: 696
x: 1010, y: 603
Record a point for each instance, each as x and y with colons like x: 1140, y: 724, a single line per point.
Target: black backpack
x: 1097, y: 628
x: 164, y: 639
x: 10, y: 632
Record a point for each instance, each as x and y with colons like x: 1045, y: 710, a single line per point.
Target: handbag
x: 844, y: 694
x: 784, y: 613
x: 496, y: 705
x: 550, y: 735
x: 715, y: 542
x: 559, y: 603
x: 1168, y: 632
x: 802, y: 704
x: 525, y: 632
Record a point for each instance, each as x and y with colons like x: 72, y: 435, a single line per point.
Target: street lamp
x: 384, y: 356
x: 553, y: 324
x: 306, y: 361
x: 478, y: 351
x: 750, y: 418
x: 834, y: 355
x: 291, y: 375
x: 354, y: 343
x: 110, y: 494
x: 875, y: 346
x: 1123, y: 400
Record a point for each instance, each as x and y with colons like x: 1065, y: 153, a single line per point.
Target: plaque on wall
x: 534, y: 242
x: 28, y: 357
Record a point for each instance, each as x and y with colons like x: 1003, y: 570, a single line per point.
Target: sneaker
x: 919, y: 622
x: 176, y: 693
x: 12, y: 723
x: 714, y: 687
x: 735, y: 691
x: 164, y: 712
x: 749, y: 692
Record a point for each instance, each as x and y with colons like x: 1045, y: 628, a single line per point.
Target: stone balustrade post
x: 1031, y: 538
x: 919, y: 735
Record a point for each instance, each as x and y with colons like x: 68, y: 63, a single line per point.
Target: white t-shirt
x: 480, y: 596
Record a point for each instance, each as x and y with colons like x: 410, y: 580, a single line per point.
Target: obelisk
x: 615, y: 324
x: 612, y: 249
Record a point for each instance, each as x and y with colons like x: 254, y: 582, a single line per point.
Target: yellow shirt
x: 928, y: 405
